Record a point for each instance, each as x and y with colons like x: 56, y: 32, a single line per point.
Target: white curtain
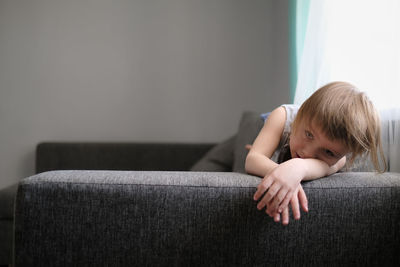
x: 356, y: 41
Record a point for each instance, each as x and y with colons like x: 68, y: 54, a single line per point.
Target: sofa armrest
x: 150, y: 218
x: 118, y: 156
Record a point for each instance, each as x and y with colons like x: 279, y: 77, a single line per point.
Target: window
x: 356, y: 41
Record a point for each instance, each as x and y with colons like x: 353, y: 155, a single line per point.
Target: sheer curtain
x: 356, y: 41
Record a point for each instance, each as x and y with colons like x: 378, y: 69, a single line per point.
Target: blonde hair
x: 345, y: 114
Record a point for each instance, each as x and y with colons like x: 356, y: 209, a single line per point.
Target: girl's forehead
x: 309, y: 119
x: 339, y: 146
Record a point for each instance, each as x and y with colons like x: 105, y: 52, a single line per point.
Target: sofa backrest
x: 118, y: 156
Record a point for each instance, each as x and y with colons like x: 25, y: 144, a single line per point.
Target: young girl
x: 310, y: 142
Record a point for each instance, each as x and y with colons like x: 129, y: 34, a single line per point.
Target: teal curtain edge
x: 298, y: 17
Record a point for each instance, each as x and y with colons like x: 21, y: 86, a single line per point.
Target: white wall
x: 140, y: 70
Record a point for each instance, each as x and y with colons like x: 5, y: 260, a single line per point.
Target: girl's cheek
x: 329, y: 161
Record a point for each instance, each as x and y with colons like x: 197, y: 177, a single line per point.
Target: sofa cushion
x: 218, y: 159
x: 109, y: 218
x: 249, y: 127
x: 230, y: 155
x: 156, y: 156
x: 7, y: 196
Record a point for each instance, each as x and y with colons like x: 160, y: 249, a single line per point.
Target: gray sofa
x: 202, y: 217
x: 97, y: 156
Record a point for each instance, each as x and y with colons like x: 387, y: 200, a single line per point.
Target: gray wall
x: 140, y: 70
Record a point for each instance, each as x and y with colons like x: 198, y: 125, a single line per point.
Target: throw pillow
x: 249, y: 127
x: 218, y: 159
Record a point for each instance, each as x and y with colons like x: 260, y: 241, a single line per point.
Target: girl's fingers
x: 262, y: 188
x: 303, y: 199
x: 270, y: 211
x: 285, y: 201
x: 295, y: 207
x: 272, y: 191
x: 277, y: 217
x: 261, y: 205
x: 285, y: 216
x: 276, y: 195
x: 278, y: 200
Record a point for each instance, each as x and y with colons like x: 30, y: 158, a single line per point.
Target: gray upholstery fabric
x: 6, y: 238
x: 94, y: 218
x: 7, y: 196
x: 97, y: 156
x: 218, y: 159
x: 249, y: 127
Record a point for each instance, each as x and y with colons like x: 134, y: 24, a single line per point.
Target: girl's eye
x: 309, y: 135
x: 329, y: 153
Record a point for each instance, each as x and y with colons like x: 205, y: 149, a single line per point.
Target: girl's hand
x: 281, y: 184
x: 301, y: 197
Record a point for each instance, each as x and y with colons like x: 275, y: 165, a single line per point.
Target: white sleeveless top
x: 282, y: 152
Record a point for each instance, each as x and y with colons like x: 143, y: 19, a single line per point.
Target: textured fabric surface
x: 7, y: 196
x: 163, y: 178
x: 218, y: 159
x: 6, y: 236
x: 118, y: 156
x: 249, y: 127
x: 98, y: 156
x: 94, y: 218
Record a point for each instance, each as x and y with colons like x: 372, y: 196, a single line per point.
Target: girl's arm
x: 315, y: 168
x: 258, y: 160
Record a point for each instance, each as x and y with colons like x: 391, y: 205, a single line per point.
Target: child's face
x: 311, y: 142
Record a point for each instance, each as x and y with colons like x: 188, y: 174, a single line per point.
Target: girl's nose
x: 309, y: 152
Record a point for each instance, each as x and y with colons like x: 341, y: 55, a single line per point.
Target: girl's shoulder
x: 291, y: 111
x: 276, y: 119
x: 281, y: 119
